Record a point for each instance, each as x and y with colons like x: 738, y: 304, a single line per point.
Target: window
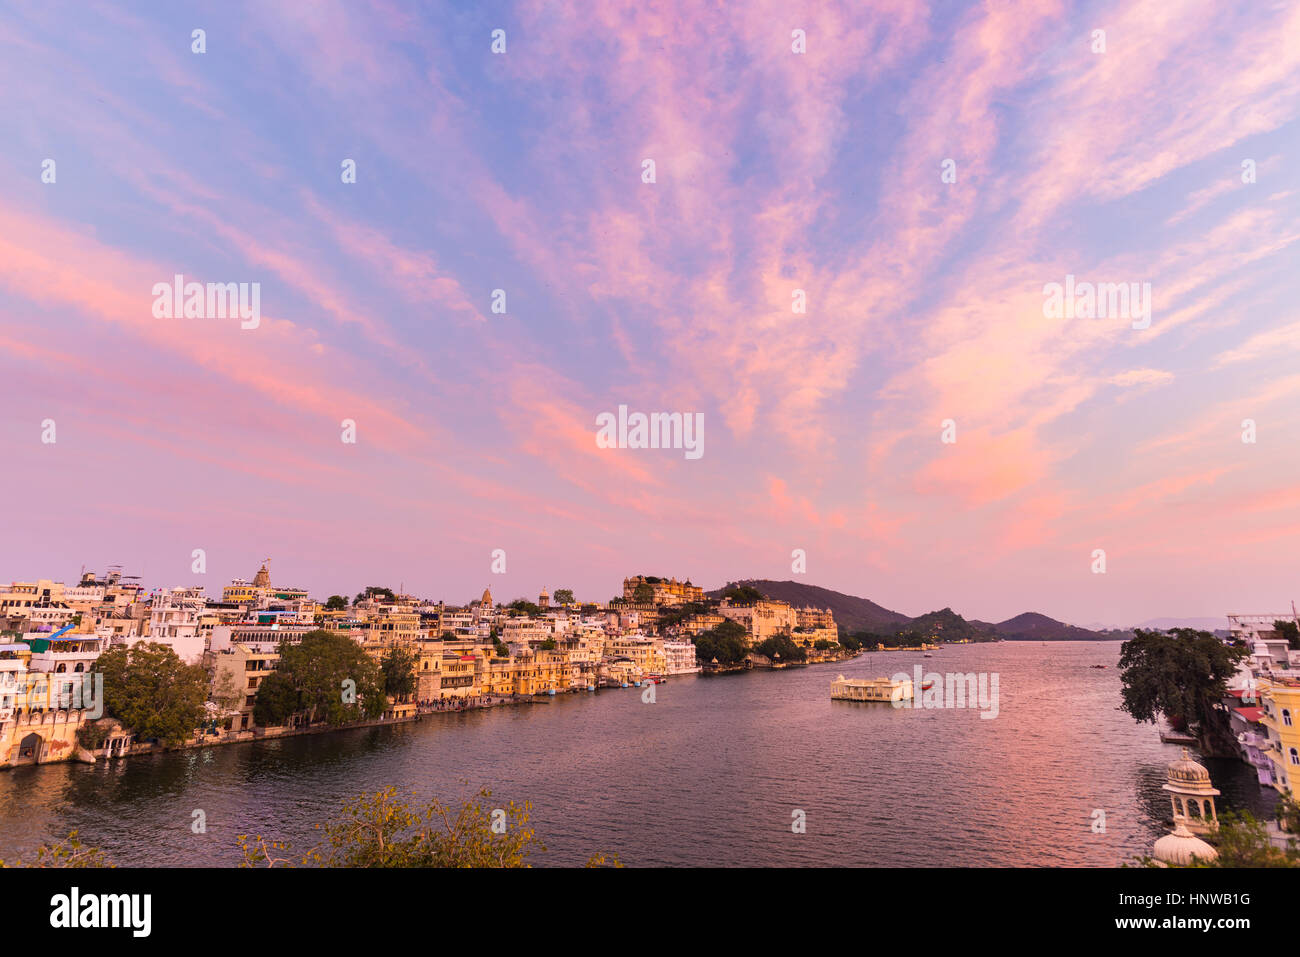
x: 1286, y: 717
x: 1295, y: 756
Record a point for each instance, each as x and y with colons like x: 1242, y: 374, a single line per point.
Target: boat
x: 927, y: 655
x: 927, y: 685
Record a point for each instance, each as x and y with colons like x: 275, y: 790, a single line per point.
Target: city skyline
x: 1167, y: 156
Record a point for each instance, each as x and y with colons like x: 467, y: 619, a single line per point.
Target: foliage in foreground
x: 383, y: 830
x: 66, y: 853
x: 1243, y: 841
x: 377, y: 830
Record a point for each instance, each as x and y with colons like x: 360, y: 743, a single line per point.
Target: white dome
x: 1181, y: 847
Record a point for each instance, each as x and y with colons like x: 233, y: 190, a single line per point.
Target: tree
x: 67, y: 853
x: 563, y: 596
x: 851, y: 642
x: 326, y: 676
x: 277, y: 699
x: 398, y: 667
x: 522, y: 606
x: 226, y: 692
x: 547, y: 645
x: 374, y: 591
x: 643, y: 593
x: 151, y: 691
x: 728, y: 642
x: 382, y: 830
x: 1290, y: 631
x: 1242, y: 841
x: 784, y: 646
x: 1182, y: 675
x: 336, y: 603
x: 743, y: 594
x: 676, y: 614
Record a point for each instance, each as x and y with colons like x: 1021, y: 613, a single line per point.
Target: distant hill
x: 855, y: 614
x: 1032, y: 626
x: 1203, y: 624
x: 851, y: 613
x: 947, y: 625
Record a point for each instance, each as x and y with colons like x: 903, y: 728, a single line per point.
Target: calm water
x: 708, y: 775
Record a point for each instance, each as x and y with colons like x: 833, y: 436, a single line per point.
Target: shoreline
x: 83, y: 756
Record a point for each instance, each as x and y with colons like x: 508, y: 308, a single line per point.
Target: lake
x: 711, y: 773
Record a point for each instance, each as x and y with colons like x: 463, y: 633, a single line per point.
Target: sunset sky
x: 775, y: 171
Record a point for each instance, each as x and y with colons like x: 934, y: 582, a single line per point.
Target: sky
x: 921, y: 172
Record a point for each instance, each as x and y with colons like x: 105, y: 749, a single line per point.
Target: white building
x: 681, y: 657
x: 174, y: 620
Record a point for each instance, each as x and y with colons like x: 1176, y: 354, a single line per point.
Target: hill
x: 1032, y: 626
x: 851, y: 613
x: 854, y: 614
x: 947, y: 625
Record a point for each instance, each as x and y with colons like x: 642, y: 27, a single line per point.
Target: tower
x: 1192, y: 796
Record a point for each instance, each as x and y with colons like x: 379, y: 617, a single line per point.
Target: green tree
x: 382, y: 830
x: 743, y: 594
x: 522, y: 606
x: 277, y: 699
x: 316, y: 677
x: 1243, y: 841
x: 851, y: 642
x: 644, y: 592
x: 1290, y: 631
x: 563, y: 596
x: 1183, y: 675
x: 728, y: 642
x: 398, y: 667
x: 151, y: 691
x: 376, y: 592
x: 66, y: 853
x: 547, y: 645
x: 784, y: 646
x: 336, y: 603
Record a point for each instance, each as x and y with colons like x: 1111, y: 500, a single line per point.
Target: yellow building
x: 1280, y: 700
x: 646, y: 653
x: 764, y: 618
x: 237, y: 673
x: 666, y: 591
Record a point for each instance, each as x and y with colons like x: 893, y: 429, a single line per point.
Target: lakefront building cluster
x: 480, y: 654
